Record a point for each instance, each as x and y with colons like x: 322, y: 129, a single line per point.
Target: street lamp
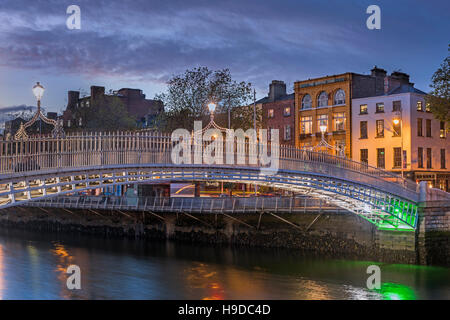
x: 340, y: 151
x: 38, y: 91
x: 212, y: 107
x: 323, y: 128
x: 398, y: 119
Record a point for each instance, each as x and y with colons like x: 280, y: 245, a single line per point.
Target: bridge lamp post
x: 323, y: 128
x: 212, y: 107
x: 38, y: 91
x: 58, y: 131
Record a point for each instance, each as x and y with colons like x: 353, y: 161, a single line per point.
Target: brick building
x: 278, y: 112
x: 327, y: 101
x: 142, y: 109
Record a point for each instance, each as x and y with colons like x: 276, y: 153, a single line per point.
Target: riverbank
x: 339, y: 235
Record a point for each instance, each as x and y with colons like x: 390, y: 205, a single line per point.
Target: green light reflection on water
x: 395, y: 291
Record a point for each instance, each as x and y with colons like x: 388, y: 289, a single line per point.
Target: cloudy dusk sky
x: 141, y: 43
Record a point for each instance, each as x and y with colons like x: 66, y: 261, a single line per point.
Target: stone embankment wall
x: 433, y: 233
x: 337, y: 234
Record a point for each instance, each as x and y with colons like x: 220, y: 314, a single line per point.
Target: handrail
x: 95, y: 148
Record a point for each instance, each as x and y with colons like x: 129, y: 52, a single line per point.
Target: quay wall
x: 433, y: 233
x: 335, y: 234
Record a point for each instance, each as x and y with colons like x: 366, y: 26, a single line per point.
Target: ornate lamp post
x: 38, y: 91
x: 324, y: 144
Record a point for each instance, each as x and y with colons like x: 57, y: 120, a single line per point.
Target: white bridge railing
x: 190, y: 204
x: 81, y: 150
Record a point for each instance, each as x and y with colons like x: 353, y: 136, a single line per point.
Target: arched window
x: 306, y: 102
x: 339, y: 97
x: 322, y: 100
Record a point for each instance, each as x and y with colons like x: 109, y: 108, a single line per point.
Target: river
x: 33, y: 265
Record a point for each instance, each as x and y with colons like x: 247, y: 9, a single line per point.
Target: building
x: 327, y: 102
x: 398, y: 124
x: 142, y: 109
x: 278, y: 112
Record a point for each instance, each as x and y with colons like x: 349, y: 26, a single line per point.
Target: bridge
x: 44, y: 167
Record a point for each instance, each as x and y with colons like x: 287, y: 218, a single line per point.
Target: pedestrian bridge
x: 43, y: 167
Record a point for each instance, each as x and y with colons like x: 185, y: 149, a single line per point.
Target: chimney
x: 378, y: 72
x: 276, y: 89
x: 72, y: 99
x: 97, y: 91
x: 400, y: 77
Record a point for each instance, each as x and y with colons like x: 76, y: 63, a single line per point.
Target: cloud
x: 16, y: 108
x: 154, y: 40
x: 259, y: 41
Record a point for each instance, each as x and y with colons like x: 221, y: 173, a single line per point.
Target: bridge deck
x: 42, y: 167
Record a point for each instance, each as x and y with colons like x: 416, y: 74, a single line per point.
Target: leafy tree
x: 188, y: 95
x: 243, y: 117
x: 439, y: 97
x: 108, y: 114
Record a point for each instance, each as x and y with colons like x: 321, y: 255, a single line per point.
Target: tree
x: 188, y: 95
x: 439, y: 97
x: 108, y: 114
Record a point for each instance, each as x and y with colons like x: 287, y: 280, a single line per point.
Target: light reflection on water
x: 33, y: 266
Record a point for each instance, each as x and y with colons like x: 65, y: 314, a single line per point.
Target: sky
x: 142, y: 43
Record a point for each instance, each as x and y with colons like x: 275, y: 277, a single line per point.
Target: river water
x: 33, y: 265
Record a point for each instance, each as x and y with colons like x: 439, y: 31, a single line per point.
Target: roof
x: 404, y: 88
x: 282, y: 98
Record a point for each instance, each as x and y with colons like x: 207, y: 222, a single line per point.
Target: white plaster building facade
x: 378, y: 136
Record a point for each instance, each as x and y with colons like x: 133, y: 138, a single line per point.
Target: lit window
x: 339, y: 121
x: 287, y: 111
x: 270, y: 113
x: 306, y: 102
x: 322, y: 120
x: 339, y: 97
x: 363, y: 109
x: 380, y: 128
x: 322, y: 100
x: 428, y: 107
x: 442, y: 130
x: 419, y: 106
x: 380, y: 107
x: 306, y: 125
